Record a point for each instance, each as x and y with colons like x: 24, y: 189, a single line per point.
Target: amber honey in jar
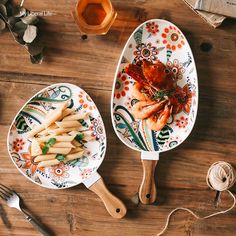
x: 94, y: 16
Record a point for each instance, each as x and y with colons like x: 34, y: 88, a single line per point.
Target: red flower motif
x: 59, y: 172
x: 86, y: 173
x: 182, y: 100
x: 182, y: 122
x: 29, y: 163
x: 18, y: 144
x: 175, y: 68
x: 172, y: 38
x: 121, y: 85
x: 152, y: 28
x: 85, y: 101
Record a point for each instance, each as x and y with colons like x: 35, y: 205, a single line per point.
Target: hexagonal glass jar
x: 94, y: 16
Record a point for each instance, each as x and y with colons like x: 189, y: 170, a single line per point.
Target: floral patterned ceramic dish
x: 154, y: 40
x: 82, y: 170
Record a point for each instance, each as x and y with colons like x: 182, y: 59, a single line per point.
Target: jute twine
x: 221, y: 177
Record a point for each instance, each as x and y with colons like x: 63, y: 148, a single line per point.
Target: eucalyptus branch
x: 14, y: 37
x: 22, y: 28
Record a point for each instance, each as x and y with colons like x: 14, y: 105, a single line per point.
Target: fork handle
x: 36, y: 224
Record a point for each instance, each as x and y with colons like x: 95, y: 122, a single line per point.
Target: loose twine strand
x: 221, y: 176
x: 22, y: 2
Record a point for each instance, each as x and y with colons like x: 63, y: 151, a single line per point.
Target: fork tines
x: 5, y: 192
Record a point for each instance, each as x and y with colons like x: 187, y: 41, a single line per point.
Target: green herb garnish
x: 60, y: 157
x: 45, y: 149
x: 48, y: 144
x: 161, y: 94
x: 79, y: 137
x: 51, y: 141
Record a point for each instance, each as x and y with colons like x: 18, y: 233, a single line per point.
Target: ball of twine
x: 221, y: 176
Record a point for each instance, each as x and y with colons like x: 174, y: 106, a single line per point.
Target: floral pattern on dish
x: 183, y: 100
x: 176, y: 68
x: 59, y: 172
x: 172, y: 38
x: 182, y: 122
x: 145, y: 51
x: 18, y: 144
x: 152, y: 28
x: 85, y: 101
x: 97, y: 129
x: 121, y: 85
x: 86, y: 173
x: 29, y: 163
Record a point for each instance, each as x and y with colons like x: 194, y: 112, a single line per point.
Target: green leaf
x: 37, y: 59
x: 60, y: 157
x: 51, y: 142
x: 30, y: 20
x: 19, y: 11
x: 30, y: 33
x: 12, y: 21
x: 2, y: 24
x: 45, y: 149
x: 20, y: 40
x: 19, y: 28
x: 36, y: 47
x: 79, y: 137
x: 3, y: 11
x: 3, y: 1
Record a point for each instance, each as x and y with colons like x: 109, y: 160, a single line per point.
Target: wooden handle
x: 114, y: 206
x: 147, y: 191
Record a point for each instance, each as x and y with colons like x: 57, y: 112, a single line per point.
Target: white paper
x: 223, y: 7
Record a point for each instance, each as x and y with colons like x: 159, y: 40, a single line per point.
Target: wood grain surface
x: 91, y: 64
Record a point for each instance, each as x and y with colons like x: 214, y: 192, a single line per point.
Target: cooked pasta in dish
x: 59, y: 138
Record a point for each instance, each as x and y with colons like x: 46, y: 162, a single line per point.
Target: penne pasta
x: 74, y: 150
x: 35, y: 130
x: 43, y: 133
x: 88, y: 135
x: 57, y: 150
x: 35, y: 148
x: 63, y: 145
x: 66, y: 112
x: 73, y: 156
x: 73, y: 133
x: 76, y: 116
x: 76, y: 144
x: 58, y: 138
x: 55, y: 115
x: 44, y: 157
x: 61, y: 130
x: 48, y: 163
x: 52, y: 126
x: 68, y: 124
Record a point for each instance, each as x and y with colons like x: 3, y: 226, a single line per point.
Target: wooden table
x: 91, y: 64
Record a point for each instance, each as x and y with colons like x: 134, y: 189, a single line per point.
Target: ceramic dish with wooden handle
x: 152, y: 41
x: 81, y: 170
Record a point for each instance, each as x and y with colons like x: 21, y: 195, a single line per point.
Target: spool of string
x: 220, y: 177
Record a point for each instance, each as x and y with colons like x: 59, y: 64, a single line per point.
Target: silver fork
x: 13, y: 200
